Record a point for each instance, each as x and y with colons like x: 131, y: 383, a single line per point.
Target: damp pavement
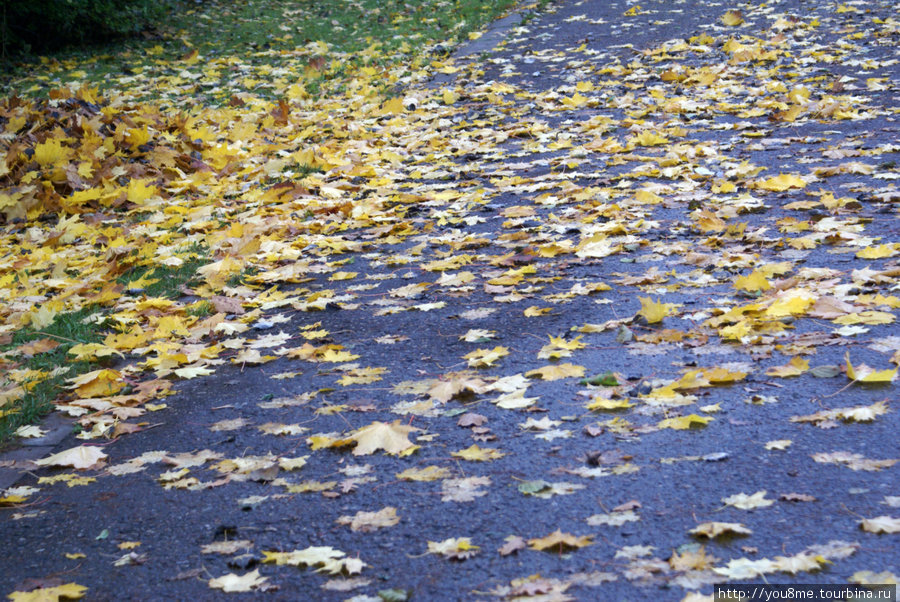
x: 214, y: 466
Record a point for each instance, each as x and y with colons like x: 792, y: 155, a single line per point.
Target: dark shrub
x: 43, y: 25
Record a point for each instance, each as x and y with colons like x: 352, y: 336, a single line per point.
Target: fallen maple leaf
x: 238, y: 583
x: 478, y: 454
x: 865, y: 374
x: 81, y: 457
x: 715, y: 529
x: 654, y: 311
x: 560, y: 542
x: 370, y: 521
x: 459, y: 548
x: 732, y: 18
x: 227, y: 547
x: 684, y: 422
x: 852, y: 461
x: 781, y: 183
x: 795, y: 367
x: 557, y: 372
x: 429, y: 473
x: 393, y: 438
x: 880, y: 524
x: 513, y: 544
x: 483, y: 358
x: 69, y: 591
x: 748, y: 502
x: 464, y: 490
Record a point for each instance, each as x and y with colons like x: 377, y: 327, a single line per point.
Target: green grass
x: 259, y: 33
x: 67, y: 329
x: 165, y: 281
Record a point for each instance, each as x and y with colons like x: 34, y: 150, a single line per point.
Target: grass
x: 44, y: 381
x: 262, y: 34
x: 46, y: 372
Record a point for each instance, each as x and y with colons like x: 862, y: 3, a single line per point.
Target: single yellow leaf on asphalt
x: 69, y: 591
x: 534, y: 311
x: 715, y: 529
x: 601, y: 403
x: 748, y: 502
x: 683, y: 423
x: 654, y: 311
x: 236, y: 583
x: 795, y: 367
x: 483, y: 358
x: 778, y: 444
x: 648, y: 138
x: 732, y: 18
x: 455, y: 548
x: 865, y: 374
x: 393, y: 438
x: 866, y: 317
x: 782, y: 182
x: 560, y: 542
x: 556, y: 372
x: 429, y: 473
x: 370, y: 521
x: 879, y: 252
x: 474, y: 453
x: 720, y: 376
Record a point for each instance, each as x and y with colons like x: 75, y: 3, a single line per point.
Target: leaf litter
x: 101, y: 190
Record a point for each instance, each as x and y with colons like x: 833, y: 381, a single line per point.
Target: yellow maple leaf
x: 482, y: 358
x: 684, y: 422
x: 879, y: 252
x: 748, y: 502
x: 51, y: 153
x: 473, y: 453
x: 715, y: 529
x: 71, y: 591
x: 791, y: 303
x: 393, y: 438
x: 732, y: 18
x: 647, y: 197
x: 560, y: 542
x: 654, y: 311
x: 337, y: 356
x: 534, y: 311
x: 753, y: 282
x: 718, y: 376
x: 865, y: 374
x: 456, y: 548
x: 99, y: 383
x: 782, y: 182
x: 648, y: 138
x: 795, y: 367
x: 557, y: 372
x: 866, y: 317
x: 601, y: 403
x: 429, y: 473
